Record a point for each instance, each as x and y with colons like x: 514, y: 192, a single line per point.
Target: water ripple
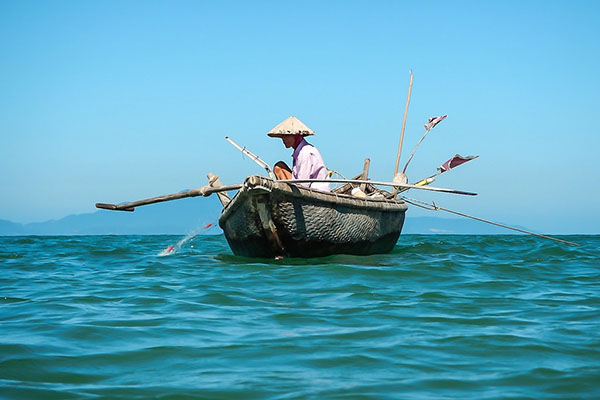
x: 484, y: 317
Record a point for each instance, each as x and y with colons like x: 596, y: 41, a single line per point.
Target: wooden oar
x: 396, y: 185
x: 208, y: 190
x: 203, y: 191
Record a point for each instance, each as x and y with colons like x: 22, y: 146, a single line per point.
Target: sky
x: 117, y: 101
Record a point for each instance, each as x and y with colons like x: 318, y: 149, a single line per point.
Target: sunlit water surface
x: 441, y: 317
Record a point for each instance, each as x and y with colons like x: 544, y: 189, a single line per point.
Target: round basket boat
x: 270, y: 219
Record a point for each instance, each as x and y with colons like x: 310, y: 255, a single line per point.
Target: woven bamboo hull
x: 270, y: 219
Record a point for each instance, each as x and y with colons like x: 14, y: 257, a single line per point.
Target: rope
x: 414, y: 151
x: 434, y: 207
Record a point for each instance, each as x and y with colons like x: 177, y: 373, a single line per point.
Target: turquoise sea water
x: 441, y: 317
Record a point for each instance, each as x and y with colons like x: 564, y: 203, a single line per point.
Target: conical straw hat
x: 291, y: 126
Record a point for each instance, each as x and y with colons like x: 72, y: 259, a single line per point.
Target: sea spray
x: 172, y: 249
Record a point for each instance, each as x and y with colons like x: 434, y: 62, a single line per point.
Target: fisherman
x: 307, y: 162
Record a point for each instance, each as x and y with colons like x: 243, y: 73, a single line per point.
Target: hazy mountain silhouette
x: 176, y: 217
x: 186, y: 215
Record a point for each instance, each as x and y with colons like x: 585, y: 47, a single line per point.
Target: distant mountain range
x: 187, y: 215
x: 177, y: 217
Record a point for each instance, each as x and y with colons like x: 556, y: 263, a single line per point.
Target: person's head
x: 291, y: 140
x: 291, y: 131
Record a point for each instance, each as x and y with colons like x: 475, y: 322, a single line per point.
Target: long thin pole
x: 208, y: 190
x: 203, y: 191
x: 253, y: 156
x: 436, y: 208
x: 404, y: 123
x: 377, y: 183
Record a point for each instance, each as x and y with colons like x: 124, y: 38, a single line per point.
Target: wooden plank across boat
x: 270, y: 219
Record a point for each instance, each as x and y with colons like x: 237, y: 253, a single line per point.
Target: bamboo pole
x: 253, y: 157
x: 392, y: 184
x: 403, y: 123
x: 208, y: 190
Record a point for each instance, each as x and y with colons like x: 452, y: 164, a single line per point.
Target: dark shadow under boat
x: 270, y: 219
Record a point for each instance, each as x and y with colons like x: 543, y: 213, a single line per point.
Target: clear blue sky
x: 113, y: 101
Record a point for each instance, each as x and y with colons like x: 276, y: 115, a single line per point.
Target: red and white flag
x: 454, y: 162
x: 433, y: 121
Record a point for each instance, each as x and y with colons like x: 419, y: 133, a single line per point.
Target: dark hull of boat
x: 270, y: 219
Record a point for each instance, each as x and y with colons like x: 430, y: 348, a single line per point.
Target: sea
x: 440, y: 317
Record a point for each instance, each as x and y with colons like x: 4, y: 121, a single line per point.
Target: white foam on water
x: 173, y: 249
